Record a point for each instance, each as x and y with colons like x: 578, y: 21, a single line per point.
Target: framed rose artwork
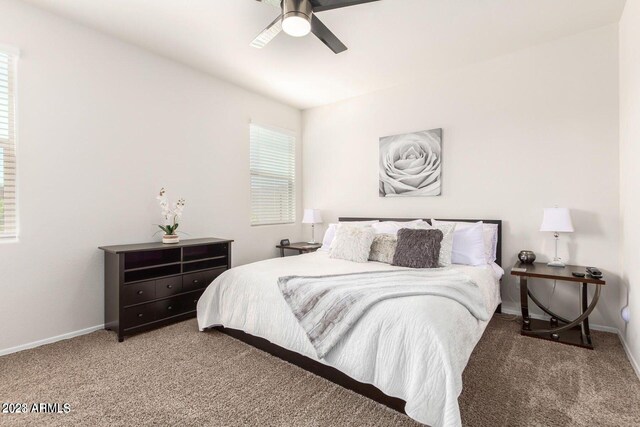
x: 411, y: 164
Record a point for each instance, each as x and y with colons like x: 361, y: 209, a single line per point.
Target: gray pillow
x: 383, y: 248
x: 418, y: 248
x: 446, y: 246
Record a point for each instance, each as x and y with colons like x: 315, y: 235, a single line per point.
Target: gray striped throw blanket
x: 328, y: 306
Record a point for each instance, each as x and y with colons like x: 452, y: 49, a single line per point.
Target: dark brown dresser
x: 150, y: 285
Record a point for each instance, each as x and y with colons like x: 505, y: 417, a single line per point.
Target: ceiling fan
x: 298, y: 18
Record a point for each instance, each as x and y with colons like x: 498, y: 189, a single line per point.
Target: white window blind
x: 8, y: 220
x: 273, y: 176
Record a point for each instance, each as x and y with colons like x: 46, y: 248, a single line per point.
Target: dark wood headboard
x: 488, y: 221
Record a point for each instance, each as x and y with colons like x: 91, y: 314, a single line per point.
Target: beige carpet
x: 178, y: 376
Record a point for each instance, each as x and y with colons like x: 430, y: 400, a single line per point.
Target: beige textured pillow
x: 446, y: 245
x: 383, y: 248
x: 352, y: 243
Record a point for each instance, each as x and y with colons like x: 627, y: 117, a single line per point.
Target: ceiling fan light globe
x: 296, y: 26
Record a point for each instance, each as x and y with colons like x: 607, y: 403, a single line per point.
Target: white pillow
x: 490, y: 232
x: 446, y: 245
x: 360, y: 223
x: 468, y: 245
x: 352, y: 243
x: 330, y: 234
x: 490, y: 236
x: 392, y: 227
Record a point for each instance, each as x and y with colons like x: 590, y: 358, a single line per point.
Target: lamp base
x: 556, y: 263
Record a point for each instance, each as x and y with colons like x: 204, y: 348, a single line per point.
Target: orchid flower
x: 170, y: 214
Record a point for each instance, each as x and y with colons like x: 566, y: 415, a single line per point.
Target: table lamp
x: 313, y: 217
x: 556, y: 220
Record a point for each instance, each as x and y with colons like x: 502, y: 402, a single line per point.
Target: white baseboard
x: 602, y: 328
x: 634, y: 363
x: 50, y: 340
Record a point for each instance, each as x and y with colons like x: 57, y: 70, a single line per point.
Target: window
x: 8, y: 228
x: 273, y: 176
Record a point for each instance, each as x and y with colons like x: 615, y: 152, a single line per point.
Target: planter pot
x: 170, y: 238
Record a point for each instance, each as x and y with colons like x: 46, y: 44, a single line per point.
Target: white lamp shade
x: 312, y: 216
x: 557, y: 220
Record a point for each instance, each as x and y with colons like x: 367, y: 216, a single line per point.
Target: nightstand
x: 574, y: 332
x: 301, y: 247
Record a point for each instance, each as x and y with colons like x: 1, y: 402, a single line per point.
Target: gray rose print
x: 411, y: 164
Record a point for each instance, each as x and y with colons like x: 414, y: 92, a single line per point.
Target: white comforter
x: 413, y: 348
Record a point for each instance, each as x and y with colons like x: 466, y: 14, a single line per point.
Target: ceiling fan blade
x: 268, y: 34
x: 274, y: 3
x: 326, y: 36
x: 322, y: 5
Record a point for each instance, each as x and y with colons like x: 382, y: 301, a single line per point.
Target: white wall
x: 629, y: 172
x: 522, y: 132
x: 102, y: 126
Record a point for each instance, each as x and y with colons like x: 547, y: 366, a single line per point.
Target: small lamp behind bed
x: 313, y: 217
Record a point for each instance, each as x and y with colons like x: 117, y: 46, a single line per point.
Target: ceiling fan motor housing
x: 298, y: 8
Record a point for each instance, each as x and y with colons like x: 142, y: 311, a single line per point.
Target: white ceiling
x: 390, y: 41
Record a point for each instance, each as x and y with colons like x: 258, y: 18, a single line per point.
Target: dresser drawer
x: 134, y: 316
x: 190, y: 301
x: 168, y: 307
x: 201, y: 279
x: 139, y: 292
x: 169, y: 286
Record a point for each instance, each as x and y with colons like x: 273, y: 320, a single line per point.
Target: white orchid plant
x: 171, y: 214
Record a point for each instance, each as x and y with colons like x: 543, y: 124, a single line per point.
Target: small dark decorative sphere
x: 526, y: 257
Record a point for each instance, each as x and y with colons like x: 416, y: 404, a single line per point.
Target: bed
x: 407, y: 353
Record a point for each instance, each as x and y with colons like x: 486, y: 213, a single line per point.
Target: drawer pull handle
x: 140, y: 314
x: 169, y: 286
x: 140, y: 292
x: 195, y: 281
x: 169, y: 308
x: 195, y: 301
